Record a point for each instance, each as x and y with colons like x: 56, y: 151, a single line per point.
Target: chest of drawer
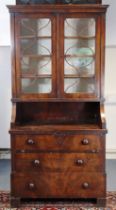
x: 35, y: 162
x: 58, y: 185
x: 58, y: 142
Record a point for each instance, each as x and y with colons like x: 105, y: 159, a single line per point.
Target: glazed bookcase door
x: 35, y: 60
x: 81, y: 57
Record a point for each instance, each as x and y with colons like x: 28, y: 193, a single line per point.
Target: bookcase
x: 58, y: 126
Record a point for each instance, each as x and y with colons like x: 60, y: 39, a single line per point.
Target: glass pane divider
x: 36, y: 76
x: 79, y: 37
x: 37, y: 56
x: 34, y: 37
x: 79, y: 76
x: 79, y: 56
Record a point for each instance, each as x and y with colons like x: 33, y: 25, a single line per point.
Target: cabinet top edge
x: 58, y: 8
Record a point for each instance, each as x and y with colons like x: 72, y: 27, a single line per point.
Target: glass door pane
x: 79, y: 55
x: 35, y: 55
x: 34, y: 85
x: 74, y: 85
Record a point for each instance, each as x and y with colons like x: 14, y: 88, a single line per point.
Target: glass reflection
x: 81, y: 85
x: 84, y: 27
x: 31, y: 27
x: 34, y: 85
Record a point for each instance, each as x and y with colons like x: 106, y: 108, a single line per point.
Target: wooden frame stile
x: 54, y: 58
x: 13, y: 55
x: 18, y: 75
x: 61, y: 56
x: 102, y: 44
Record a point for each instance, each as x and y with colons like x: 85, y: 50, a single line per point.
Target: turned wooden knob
x: 31, y: 185
x: 79, y: 162
x: 36, y: 162
x: 95, y: 150
x: 85, y: 185
x: 85, y: 141
x: 30, y: 141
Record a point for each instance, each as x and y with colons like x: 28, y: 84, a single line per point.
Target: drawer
x: 58, y: 162
x: 58, y: 142
x: 58, y: 185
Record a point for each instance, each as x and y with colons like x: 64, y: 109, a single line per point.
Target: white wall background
x: 5, y: 22
x: 110, y: 79
x: 110, y: 95
x: 5, y: 26
x: 5, y: 96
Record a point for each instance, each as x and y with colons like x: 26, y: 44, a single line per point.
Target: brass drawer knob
x: 36, y: 162
x: 30, y: 142
x: 31, y: 185
x: 79, y: 162
x: 85, y: 141
x: 85, y: 185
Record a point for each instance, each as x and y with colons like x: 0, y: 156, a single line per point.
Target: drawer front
x: 58, y: 162
x: 58, y: 185
x: 59, y: 142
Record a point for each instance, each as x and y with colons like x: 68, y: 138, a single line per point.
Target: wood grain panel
x: 58, y: 185
x: 58, y: 142
x: 58, y: 162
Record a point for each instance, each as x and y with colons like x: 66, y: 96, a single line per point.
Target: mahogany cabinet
x: 58, y: 123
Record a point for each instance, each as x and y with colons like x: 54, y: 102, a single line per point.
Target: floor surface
x: 5, y: 168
